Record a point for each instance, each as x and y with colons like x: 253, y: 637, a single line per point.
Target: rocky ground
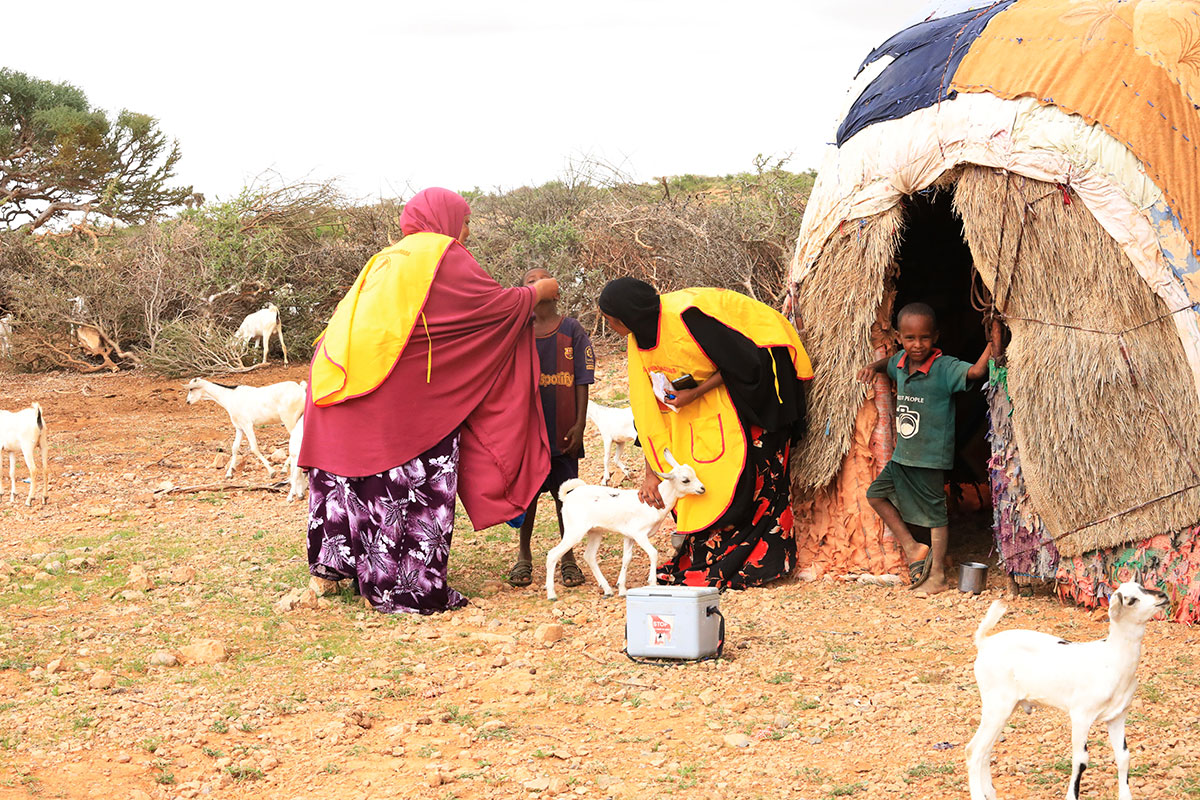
x: 156, y: 641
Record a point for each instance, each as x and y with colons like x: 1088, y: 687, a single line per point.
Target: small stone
x: 537, y: 785
x: 321, y: 586
x: 217, y: 462
x: 207, y: 651
x: 101, y: 680
x: 138, y: 581
x: 782, y: 720
x: 500, y: 661
x: 96, y: 511
x: 433, y: 777
x: 138, y: 794
x: 123, y: 758
x: 54, y: 666
x: 182, y: 574
x: 737, y: 740
x: 548, y: 633
x: 278, y: 454
x: 161, y: 658
x: 492, y: 725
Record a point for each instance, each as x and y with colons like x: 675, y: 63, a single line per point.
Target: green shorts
x: 918, y: 493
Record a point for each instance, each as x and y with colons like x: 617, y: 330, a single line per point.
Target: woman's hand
x: 683, y: 397
x: 546, y: 289
x: 648, y: 492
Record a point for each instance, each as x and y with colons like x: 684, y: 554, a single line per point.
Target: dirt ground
x: 827, y: 689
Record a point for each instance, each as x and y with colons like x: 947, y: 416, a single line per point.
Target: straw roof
x: 1100, y: 431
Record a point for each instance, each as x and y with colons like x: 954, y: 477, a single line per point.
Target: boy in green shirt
x: 911, y: 488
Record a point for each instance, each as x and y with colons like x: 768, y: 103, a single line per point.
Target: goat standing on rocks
x: 589, y: 511
x: 23, y: 430
x: 260, y: 325
x: 248, y: 406
x: 1091, y: 681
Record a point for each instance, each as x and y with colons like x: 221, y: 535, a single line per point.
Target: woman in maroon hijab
x: 437, y: 398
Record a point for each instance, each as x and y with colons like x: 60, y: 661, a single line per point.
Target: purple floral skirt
x: 391, y: 531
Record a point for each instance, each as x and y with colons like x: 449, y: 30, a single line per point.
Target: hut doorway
x: 934, y: 266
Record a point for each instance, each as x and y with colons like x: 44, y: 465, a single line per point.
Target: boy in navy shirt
x: 568, y: 367
x: 911, y: 488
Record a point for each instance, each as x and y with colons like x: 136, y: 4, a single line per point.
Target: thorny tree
x: 59, y: 155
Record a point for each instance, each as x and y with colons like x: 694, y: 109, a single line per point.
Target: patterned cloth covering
x: 1169, y: 562
x: 759, y: 550
x: 390, y: 531
x: 1024, y: 544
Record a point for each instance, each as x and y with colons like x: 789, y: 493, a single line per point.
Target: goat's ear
x: 1116, y: 605
x: 665, y: 477
x: 670, y: 458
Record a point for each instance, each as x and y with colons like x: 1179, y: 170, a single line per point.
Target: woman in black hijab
x: 735, y: 425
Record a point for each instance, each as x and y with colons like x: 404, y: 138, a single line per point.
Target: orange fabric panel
x: 838, y: 532
x: 1131, y: 67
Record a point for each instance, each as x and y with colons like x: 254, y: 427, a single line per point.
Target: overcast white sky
x: 390, y: 97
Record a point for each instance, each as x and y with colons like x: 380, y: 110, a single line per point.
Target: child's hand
x: 866, y: 375
x: 572, y: 443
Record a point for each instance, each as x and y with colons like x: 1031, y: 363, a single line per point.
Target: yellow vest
x: 707, y: 433
x: 374, y: 321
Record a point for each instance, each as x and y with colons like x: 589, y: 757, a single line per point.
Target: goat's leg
x: 233, y: 457
x: 620, y: 450
x: 252, y: 440
x: 1080, y: 725
x: 626, y: 557
x: 31, y: 464
x: 279, y: 333
x: 607, y: 447
x: 992, y: 718
x: 12, y: 476
x: 1120, y: 748
x: 266, y: 341
x: 589, y: 556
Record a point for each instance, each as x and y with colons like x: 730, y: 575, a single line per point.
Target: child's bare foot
x: 934, y: 585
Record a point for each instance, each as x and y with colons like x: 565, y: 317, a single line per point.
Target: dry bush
x: 174, y: 291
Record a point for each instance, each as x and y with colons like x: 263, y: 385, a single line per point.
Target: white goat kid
x: 261, y: 325
x: 249, y: 406
x: 295, y: 474
x: 1091, y: 681
x: 589, y: 511
x: 616, y: 428
x: 24, y: 430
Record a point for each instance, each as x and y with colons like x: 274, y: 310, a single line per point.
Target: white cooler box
x: 673, y: 622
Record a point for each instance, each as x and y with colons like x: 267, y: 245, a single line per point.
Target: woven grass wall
x: 835, y: 307
x: 1100, y: 431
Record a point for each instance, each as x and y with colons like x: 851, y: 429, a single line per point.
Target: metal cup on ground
x: 972, y: 577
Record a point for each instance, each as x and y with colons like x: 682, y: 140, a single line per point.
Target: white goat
x: 24, y: 430
x: 260, y: 325
x: 249, y: 406
x: 589, y: 511
x: 6, y: 334
x: 616, y: 427
x: 295, y: 474
x: 1091, y: 681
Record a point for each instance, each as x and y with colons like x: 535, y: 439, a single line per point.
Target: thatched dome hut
x: 1030, y: 169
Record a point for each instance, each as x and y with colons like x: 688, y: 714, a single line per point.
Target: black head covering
x: 636, y: 304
